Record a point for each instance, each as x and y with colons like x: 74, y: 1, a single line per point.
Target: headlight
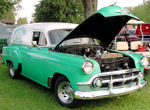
x: 87, y: 67
x: 144, y: 62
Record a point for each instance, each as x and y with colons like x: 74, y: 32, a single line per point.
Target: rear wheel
x: 64, y: 93
x: 12, y: 72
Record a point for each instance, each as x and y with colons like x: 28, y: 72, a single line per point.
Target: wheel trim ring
x: 65, y: 93
x: 11, y: 70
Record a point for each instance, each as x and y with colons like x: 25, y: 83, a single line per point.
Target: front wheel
x: 64, y: 93
x: 12, y: 72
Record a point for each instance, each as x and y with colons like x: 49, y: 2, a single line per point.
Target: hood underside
x: 104, y: 25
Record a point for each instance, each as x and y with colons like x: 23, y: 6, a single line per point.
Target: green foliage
x: 8, y: 8
x: 10, y: 16
x: 59, y: 11
x: 142, y: 11
x: 5, y: 6
x: 22, y: 21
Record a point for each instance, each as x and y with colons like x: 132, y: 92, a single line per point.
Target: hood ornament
x: 122, y: 12
x: 114, y: 3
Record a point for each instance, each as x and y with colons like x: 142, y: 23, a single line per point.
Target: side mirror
x: 34, y: 44
x: 50, y: 50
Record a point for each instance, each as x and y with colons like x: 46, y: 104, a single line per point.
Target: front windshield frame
x: 62, y: 37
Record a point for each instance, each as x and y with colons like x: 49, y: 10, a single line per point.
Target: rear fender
x: 13, y: 55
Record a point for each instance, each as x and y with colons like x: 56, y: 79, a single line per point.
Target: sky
x: 28, y: 6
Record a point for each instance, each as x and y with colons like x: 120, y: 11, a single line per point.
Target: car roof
x: 50, y: 26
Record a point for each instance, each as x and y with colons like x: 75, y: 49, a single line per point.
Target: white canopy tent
x: 132, y: 22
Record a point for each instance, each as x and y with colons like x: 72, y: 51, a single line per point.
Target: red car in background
x: 128, y: 33
x: 143, y: 29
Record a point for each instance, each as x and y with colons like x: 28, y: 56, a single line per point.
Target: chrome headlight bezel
x: 141, y: 76
x: 87, y: 67
x: 144, y: 61
x: 97, y: 83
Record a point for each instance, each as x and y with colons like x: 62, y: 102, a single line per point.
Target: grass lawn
x: 23, y: 94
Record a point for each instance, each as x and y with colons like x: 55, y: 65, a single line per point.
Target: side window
x: 42, y: 40
x: 36, y: 36
x: 18, y: 35
x: 39, y: 38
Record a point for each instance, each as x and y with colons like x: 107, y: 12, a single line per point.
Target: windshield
x: 80, y: 41
x: 131, y: 32
x: 56, y: 35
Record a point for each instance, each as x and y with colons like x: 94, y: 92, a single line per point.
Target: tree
x: 142, y: 11
x: 90, y: 6
x: 59, y: 11
x: 5, y: 6
x: 8, y: 9
x: 22, y: 21
x: 10, y: 16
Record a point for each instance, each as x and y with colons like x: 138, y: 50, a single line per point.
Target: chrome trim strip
x: 111, y: 74
x: 49, y: 83
x: 107, y: 93
x: 122, y: 79
x: 20, y: 44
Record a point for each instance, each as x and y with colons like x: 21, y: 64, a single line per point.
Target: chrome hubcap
x: 12, y: 71
x: 65, y: 92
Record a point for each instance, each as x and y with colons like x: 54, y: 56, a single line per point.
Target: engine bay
x: 108, y: 61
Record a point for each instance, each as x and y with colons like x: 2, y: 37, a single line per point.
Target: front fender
x: 135, y: 57
x: 70, y: 66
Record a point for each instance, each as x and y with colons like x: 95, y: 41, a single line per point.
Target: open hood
x: 104, y: 24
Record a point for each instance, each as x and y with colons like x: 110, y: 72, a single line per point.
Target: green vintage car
x: 74, y: 60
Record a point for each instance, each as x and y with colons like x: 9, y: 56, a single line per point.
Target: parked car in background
x: 143, y: 30
x: 5, y: 34
x: 3, y: 42
x: 6, y: 31
x: 68, y: 58
x: 127, y: 33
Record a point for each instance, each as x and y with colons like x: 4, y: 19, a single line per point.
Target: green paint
x: 110, y: 11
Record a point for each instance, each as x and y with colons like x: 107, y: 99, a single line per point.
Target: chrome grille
x: 114, y: 82
x: 120, y: 80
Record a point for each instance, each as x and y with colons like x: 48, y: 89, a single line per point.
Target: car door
x: 32, y: 64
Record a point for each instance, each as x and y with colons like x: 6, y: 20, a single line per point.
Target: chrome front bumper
x: 112, y: 89
x: 107, y: 93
